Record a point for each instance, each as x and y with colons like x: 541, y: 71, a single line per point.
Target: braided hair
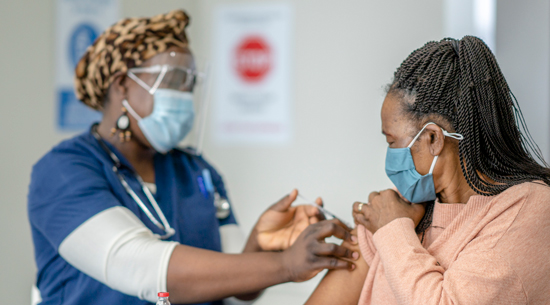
x: 458, y: 83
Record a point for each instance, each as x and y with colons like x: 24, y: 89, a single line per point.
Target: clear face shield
x: 179, y: 71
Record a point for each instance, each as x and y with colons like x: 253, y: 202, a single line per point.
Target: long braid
x: 459, y: 83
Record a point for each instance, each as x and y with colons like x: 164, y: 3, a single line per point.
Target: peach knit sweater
x: 492, y: 250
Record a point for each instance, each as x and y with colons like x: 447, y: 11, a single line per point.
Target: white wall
x: 470, y: 17
x: 344, y: 53
x: 523, y: 53
x: 26, y: 120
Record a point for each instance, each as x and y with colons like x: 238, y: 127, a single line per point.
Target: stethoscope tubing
x: 165, y: 226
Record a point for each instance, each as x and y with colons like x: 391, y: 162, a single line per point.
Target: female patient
x: 458, y: 145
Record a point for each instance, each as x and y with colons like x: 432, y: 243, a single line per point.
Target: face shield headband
x: 169, y: 77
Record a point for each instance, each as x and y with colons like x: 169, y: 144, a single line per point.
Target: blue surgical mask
x: 402, y: 172
x: 171, y: 120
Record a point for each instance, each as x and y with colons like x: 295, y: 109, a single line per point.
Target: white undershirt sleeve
x: 117, y: 249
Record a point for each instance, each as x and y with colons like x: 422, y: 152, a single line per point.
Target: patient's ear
x: 437, y: 139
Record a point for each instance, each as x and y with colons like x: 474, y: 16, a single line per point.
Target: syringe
x: 325, y: 211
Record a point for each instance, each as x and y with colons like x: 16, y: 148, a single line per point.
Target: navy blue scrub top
x: 75, y: 181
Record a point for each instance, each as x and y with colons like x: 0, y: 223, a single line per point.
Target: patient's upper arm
x: 341, y: 286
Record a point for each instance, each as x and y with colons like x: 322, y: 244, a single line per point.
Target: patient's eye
x: 390, y: 140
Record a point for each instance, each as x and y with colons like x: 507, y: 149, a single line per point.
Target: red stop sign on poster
x: 253, y: 59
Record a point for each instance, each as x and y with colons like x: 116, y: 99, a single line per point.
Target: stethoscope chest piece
x: 223, y: 207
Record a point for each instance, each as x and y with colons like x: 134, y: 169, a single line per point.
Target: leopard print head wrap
x: 126, y: 44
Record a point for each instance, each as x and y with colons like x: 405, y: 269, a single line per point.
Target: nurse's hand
x: 279, y: 226
x: 310, y: 254
x: 384, y: 207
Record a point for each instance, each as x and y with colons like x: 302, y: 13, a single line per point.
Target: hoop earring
x: 122, y: 127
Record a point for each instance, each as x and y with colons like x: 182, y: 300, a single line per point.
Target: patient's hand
x: 281, y: 224
x: 383, y: 207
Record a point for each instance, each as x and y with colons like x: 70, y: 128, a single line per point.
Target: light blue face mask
x: 402, y: 172
x: 171, y: 120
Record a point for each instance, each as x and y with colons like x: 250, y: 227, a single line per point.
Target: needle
x: 325, y: 211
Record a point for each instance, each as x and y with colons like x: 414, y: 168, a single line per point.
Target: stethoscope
x: 223, y: 208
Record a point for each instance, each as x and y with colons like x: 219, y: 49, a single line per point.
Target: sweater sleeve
x: 366, y: 245
x: 477, y: 276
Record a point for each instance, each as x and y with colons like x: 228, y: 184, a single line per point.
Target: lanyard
x: 165, y: 226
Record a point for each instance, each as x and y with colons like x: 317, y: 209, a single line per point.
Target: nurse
x: 119, y: 214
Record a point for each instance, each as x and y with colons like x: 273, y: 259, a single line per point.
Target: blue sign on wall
x: 82, y: 37
x: 73, y: 114
x: 78, y: 24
